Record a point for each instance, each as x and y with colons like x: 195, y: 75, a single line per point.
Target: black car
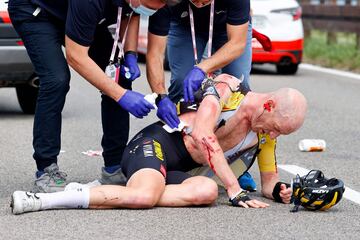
x: 16, y: 69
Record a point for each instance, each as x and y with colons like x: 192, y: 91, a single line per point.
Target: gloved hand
x: 167, y: 112
x: 134, y: 103
x: 192, y: 83
x: 130, y: 65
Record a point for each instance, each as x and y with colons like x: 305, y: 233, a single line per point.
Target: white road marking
x: 329, y: 70
x: 349, y: 193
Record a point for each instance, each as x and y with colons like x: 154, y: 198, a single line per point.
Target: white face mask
x: 200, y: 6
x: 142, y: 10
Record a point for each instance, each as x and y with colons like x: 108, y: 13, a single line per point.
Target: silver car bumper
x: 15, y: 65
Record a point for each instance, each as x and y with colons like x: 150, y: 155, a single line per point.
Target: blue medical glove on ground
x: 192, y: 83
x: 129, y: 69
x: 247, y: 182
x: 167, y: 112
x: 134, y: 103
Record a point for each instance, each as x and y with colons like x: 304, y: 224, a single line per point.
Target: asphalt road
x: 334, y: 113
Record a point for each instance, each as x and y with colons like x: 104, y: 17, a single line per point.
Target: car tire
x: 288, y: 69
x: 27, y: 97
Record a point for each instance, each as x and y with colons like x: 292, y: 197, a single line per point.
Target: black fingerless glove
x: 276, y: 191
x: 240, y: 197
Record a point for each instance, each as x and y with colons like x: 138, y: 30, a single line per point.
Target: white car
x: 281, y: 21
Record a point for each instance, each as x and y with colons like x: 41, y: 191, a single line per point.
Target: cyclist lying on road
x: 226, y: 124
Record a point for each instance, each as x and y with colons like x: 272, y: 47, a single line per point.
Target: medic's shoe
x: 22, y: 202
x: 53, y: 180
x: 116, y: 178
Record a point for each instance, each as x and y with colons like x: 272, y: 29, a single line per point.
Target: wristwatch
x: 160, y: 97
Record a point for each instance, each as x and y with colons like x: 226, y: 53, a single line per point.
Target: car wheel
x: 27, y: 96
x: 287, y: 69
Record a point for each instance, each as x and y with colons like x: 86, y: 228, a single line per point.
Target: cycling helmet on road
x: 315, y: 192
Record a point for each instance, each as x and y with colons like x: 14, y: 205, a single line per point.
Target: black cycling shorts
x: 155, y: 148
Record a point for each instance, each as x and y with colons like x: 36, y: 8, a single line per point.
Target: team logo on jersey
x: 192, y: 107
x: 148, y: 149
x: 263, y: 140
x: 220, y: 11
x: 132, y: 151
x: 184, y: 14
x: 137, y: 137
x: 158, y: 152
x: 233, y: 102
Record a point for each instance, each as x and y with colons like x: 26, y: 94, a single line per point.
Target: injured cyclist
x: 225, y: 131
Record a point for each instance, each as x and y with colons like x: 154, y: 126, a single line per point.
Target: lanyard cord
x: 116, y: 38
x: 121, y: 45
x: 116, y: 43
x: 211, y: 28
x: 193, y: 34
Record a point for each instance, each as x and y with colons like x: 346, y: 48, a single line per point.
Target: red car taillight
x: 297, y: 14
x: 4, y: 17
x: 294, y: 12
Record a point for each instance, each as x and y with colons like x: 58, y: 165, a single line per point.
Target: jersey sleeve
x: 267, y: 158
x: 82, y: 19
x: 238, y: 12
x: 159, y: 23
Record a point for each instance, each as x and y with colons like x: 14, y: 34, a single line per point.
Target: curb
x: 329, y: 70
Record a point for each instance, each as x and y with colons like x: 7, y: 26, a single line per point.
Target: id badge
x: 112, y: 71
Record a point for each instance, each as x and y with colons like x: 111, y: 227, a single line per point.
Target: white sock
x: 78, y: 198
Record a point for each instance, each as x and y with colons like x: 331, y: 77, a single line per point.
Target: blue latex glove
x: 192, y: 83
x: 167, y: 112
x: 134, y: 103
x: 130, y: 62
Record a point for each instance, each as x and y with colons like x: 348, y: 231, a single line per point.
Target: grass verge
x: 341, y: 54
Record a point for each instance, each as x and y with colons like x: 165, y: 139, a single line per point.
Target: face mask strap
x: 142, y: 10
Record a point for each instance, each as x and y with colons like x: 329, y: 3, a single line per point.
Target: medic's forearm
x: 155, y: 63
x: 78, y: 59
x: 231, y: 50
x: 131, y: 41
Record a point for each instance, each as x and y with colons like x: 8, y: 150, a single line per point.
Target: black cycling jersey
x: 81, y: 17
x: 233, y: 12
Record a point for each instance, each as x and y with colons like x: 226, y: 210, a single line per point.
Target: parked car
x: 16, y: 69
x: 281, y: 21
